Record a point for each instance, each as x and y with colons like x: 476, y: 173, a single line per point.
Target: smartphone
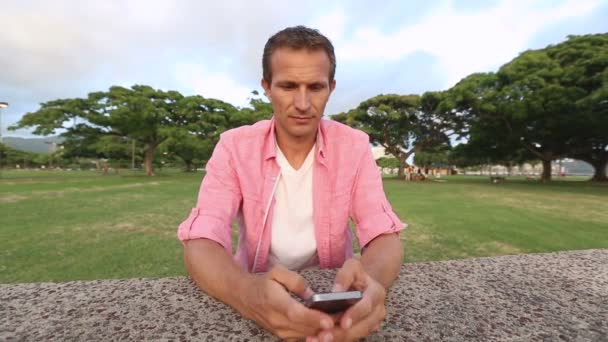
x: 333, y: 302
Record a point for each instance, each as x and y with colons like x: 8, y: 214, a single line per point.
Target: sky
x: 67, y: 48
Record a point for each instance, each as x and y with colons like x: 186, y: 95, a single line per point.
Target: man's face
x: 298, y: 91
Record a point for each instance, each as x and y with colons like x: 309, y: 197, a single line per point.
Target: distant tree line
x: 544, y: 105
x: 23, y: 159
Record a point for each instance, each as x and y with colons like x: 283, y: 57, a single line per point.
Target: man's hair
x: 298, y: 37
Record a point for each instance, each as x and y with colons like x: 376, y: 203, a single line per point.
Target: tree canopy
x: 545, y: 104
x: 402, y: 124
x: 106, y: 123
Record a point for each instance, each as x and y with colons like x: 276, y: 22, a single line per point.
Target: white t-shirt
x: 293, y: 242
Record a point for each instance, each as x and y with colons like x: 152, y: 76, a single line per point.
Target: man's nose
x: 302, y: 100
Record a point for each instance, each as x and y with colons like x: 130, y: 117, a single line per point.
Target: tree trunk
x: 148, y: 157
x: 599, y: 174
x: 132, y: 154
x: 402, y: 165
x: 546, y: 175
x: 188, y: 165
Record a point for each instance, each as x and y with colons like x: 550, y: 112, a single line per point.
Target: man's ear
x: 332, y: 86
x: 266, y: 87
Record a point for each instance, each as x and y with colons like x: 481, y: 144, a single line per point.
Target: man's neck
x: 295, y: 149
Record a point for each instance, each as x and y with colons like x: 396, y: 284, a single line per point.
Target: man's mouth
x: 302, y: 120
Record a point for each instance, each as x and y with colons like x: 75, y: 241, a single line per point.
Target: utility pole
x: 2, y: 105
x: 52, y: 149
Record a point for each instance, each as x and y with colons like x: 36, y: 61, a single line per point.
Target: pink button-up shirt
x: 240, y: 180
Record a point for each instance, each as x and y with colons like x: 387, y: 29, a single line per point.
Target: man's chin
x: 302, y: 132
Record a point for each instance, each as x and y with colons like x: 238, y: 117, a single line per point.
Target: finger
x: 339, y: 334
x: 295, y: 311
x: 336, y: 317
x: 287, y: 329
x: 289, y: 335
x: 292, y: 330
x: 326, y: 336
x: 291, y: 317
x: 373, y: 298
x: 281, y: 327
x: 367, y: 325
x: 350, y: 272
x: 357, y: 312
x: 292, y: 281
x: 304, y: 316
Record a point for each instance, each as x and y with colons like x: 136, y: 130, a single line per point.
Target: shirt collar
x: 270, y: 146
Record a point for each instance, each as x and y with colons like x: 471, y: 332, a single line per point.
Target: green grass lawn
x: 58, y: 226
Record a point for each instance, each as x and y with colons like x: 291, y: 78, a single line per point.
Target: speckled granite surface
x: 542, y: 297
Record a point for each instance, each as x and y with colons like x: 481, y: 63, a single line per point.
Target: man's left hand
x: 364, y: 317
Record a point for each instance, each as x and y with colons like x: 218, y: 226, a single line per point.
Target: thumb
x: 348, y: 276
x: 292, y: 281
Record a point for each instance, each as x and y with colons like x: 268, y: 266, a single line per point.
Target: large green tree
x: 475, y: 100
x: 584, y: 64
x: 436, y: 156
x: 516, y: 108
x: 550, y: 102
x: 258, y: 109
x: 402, y: 124
x: 202, y: 122
x: 538, y: 108
x: 205, y: 120
x: 141, y: 113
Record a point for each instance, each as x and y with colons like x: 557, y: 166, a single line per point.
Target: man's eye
x: 317, y: 87
x: 288, y: 86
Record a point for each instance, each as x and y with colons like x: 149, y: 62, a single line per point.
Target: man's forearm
x: 215, y: 271
x: 382, y: 258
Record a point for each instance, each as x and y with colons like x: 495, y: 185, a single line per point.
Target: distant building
x: 379, y: 152
x: 566, y: 167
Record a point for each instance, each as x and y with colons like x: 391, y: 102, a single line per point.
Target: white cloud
x: 464, y: 42
x: 66, y: 48
x: 212, y: 84
x: 333, y: 24
x: 48, y: 45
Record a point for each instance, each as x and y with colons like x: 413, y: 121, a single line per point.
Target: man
x: 293, y: 182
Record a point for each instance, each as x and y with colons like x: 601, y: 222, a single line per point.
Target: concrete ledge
x: 536, y: 297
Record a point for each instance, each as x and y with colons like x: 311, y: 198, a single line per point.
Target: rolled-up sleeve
x: 370, y: 210
x: 219, y: 200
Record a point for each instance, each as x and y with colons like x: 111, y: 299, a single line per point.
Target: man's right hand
x: 265, y: 299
